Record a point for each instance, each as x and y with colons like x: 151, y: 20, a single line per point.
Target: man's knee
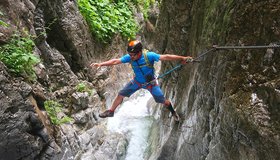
x: 167, y: 102
x: 159, y: 99
x: 120, y: 97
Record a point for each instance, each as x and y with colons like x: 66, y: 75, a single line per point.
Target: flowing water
x: 133, y: 119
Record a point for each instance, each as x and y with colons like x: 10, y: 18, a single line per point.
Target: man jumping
x: 142, y: 64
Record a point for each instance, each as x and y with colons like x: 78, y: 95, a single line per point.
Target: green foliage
x: 18, y: 56
x: 2, y: 23
x: 52, y: 109
x: 144, y: 6
x: 107, y: 18
x: 82, y: 87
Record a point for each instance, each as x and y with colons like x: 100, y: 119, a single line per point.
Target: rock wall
x: 22, y: 132
x: 229, y: 102
x: 66, y: 48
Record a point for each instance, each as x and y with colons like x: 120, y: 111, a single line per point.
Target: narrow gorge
x: 228, y: 101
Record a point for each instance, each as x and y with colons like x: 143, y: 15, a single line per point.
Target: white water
x: 133, y: 120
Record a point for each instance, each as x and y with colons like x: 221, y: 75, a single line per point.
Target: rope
x: 171, y: 70
x: 177, y: 67
x: 180, y: 65
x: 245, y: 47
x: 201, y: 55
x: 215, y: 47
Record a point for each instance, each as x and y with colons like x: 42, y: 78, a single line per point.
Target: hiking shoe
x: 107, y: 113
x: 176, y: 116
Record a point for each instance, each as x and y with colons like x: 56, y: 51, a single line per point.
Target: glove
x: 189, y: 59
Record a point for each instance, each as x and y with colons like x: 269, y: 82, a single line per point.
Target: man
x: 142, y: 63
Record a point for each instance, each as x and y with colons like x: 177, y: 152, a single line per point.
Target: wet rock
x: 65, y: 46
x: 90, y: 138
x: 113, y: 147
x: 22, y: 133
x: 214, y: 96
x: 80, y: 100
x: 81, y: 117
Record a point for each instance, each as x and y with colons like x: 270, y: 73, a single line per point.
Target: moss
x: 217, y: 16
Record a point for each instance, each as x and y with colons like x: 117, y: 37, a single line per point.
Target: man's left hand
x: 187, y: 60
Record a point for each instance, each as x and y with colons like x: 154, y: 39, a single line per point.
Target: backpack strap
x: 146, y: 59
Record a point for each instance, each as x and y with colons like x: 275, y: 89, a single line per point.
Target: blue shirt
x: 152, y: 57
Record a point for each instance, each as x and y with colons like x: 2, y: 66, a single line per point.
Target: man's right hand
x: 98, y: 65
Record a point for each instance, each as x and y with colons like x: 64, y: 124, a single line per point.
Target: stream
x: 133, y: 120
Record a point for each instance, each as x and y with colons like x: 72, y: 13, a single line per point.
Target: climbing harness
x: 149, y: 78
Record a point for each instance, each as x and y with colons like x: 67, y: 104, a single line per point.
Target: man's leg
x: 127, y: 91
x: 159, y: 98
x: 169, y: 106
x: 110, y: 113
x: 118, y: 100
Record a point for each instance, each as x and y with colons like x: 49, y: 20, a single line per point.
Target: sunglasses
x: 132, y: 54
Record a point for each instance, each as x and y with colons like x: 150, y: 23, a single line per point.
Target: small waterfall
x: 133, y: 119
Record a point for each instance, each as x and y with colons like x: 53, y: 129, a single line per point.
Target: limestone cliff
x: 229, y: 102
x: 66, y: 48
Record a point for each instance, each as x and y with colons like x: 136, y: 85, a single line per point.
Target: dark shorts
x: 133, y: 86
